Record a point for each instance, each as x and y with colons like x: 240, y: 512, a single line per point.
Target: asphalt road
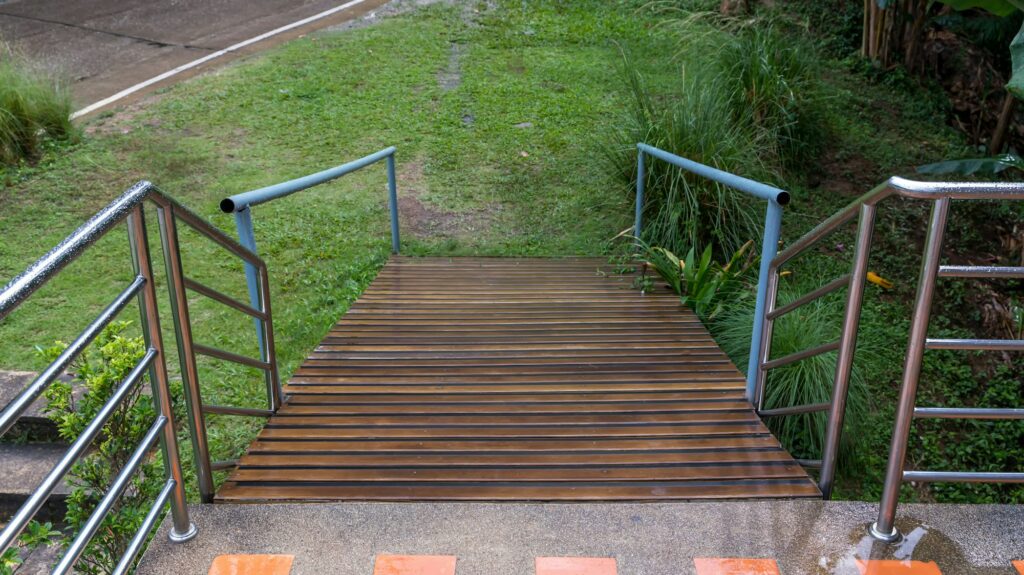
x: 105, y: 46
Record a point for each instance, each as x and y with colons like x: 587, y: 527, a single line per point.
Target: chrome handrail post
x: 393, y: 201
x: 884, y: 529
x: 641, y: 176
x: 181, y: 317
x: 847, y: 350
x: 769, y: 249
x: 274, y: 395
x: 182, y: 529
x: 247, y: 237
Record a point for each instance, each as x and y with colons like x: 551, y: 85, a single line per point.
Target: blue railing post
x: 247, y: 237
x: 769, y: 249
x: 393, y: 202
x: 638, y: 220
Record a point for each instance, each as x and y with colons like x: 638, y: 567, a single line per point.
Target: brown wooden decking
x: 515, y: 379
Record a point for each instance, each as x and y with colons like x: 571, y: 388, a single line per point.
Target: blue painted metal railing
x: 241, y: 204
x: 775, y: 197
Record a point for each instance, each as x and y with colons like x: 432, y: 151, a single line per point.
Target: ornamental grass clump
x: 35, y: 111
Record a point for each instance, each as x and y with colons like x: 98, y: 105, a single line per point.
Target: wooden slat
x: 515, y: 379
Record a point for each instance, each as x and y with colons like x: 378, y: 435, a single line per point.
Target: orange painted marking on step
x: 718, y: 566
x: 576, y: 566
x: 890, y: 567
x: 414, y: 565
x: 1020, y: 566
x: 252, y: 565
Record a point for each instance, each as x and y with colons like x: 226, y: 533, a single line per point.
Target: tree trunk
x: 1005, y: 119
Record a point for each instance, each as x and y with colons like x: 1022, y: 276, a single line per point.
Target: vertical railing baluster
x: 393, y: 202
x: 847, y: 350
x: 186, y: 355
x: 641, y: 175
x: 885, y: 528
x: 182, y: 528
x: 274, y: 395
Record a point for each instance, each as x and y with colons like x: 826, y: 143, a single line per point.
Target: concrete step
x: 24, y: 467
x: 685, y: 538
x: 33, y: 425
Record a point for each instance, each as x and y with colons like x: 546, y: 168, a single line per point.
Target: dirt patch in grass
x: 849, y: 175
x: 425, y: 220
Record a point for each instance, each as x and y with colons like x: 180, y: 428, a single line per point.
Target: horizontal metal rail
x: 745, y: 185
x: 224, y: 464
x: 230, y: 356
x: 26, y: 283
x: 811, y: 296
x: 9, y: 416
x: 993, y: 413
x: 77, y: 547
x: 244, y: 411
x: 964, y: 476
x: 35, y: 501
x: 142, y: 535
x: 224, y: 299
x: 981, y: 272
x: 795, y: 357
x: 794, y: 410
x: 244, y: 200
x: 810, y: 463
x: 976, y: 344
x: 957, y: 190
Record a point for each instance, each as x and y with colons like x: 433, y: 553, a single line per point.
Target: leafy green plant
x: 36, y: 534
x: 101, y: 369
x: 34, y: 109
x: 702, y: 284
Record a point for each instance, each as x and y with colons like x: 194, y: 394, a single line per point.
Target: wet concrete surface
x: 105, y: 46
x: 805, y: 537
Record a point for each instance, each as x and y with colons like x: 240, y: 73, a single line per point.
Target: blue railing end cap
x: 227, y: 205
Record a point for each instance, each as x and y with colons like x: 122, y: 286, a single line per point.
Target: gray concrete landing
x: 805, y: 537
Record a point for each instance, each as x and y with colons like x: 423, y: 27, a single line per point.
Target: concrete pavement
x: 805, y: 537
x: 105, y: 46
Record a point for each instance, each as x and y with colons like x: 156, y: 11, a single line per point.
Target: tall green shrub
x: 34, y: 109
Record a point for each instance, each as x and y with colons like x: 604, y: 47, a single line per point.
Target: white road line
x: 194, y: 63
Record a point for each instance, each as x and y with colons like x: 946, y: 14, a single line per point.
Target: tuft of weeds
x: 682, y: 210
x: 35, y: 109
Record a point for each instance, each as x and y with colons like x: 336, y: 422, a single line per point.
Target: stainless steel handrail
x: 128, y: 208
x: 942, y: 195
x: 864, y: 209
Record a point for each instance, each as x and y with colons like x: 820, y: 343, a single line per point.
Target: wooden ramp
x: 515, y: 379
